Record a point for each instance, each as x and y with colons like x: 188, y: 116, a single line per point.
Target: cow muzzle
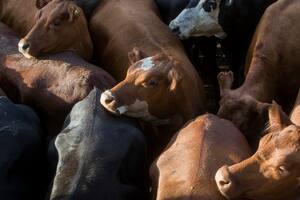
x: 108, y: 101
x: 24, y: 48
x: 225, y: 183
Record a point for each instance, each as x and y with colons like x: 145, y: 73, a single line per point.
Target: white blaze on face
x: 197, y: 22
x: 146, y: 64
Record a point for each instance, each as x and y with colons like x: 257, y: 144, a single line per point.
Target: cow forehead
x: 146, y: 64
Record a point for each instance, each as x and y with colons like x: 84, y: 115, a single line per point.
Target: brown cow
x: 161, y: 87
x: 187, y: 167
x: 51, y: 85
x: 60, y: 25
x: 19, y: 15
x: 273, y: 172
x: 273, y: 62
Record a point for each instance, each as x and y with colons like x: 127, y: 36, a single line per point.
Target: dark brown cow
x: 187, y: 167
x: 161, y: 86
x: 273, y: 172
x: 19, y: 15
x: 59, y: 25
x: 273, y: 70
x: 51, y: 85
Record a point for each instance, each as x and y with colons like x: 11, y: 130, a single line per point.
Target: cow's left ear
x: 174, y: 78
x: 277, y: 118
x: 74, y: 13
x: 41, y: 3
x: 135, y: 55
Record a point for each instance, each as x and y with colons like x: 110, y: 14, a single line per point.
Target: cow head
x: 243, y: 110
x: 60, y: 25
x: 273, y: 171
x: 148, y: 91
x: 199, y: 18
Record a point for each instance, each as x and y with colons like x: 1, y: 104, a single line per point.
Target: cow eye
x: 56, y: 22
x: 209, y: 5
x: 282, y: 171
x: 151, y: 84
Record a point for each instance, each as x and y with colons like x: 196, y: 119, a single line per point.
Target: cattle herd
x: 107, y: 100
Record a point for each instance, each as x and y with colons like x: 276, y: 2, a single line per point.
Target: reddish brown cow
x: 273, y: 172
x: 185, y: 170
x: 51, y: 85
x: 161, y: 86
x: 59, y: 25
x: 273, y: 62
x: 19, y: 15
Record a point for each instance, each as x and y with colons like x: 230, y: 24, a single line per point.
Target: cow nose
x: 106, y: 98
x: 224, y: 181
x: 175, y: 29
x: 25, y: 46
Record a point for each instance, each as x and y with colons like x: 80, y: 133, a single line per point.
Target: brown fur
x: 51, y: 85
x: 272, y: 173
x: 273, y: 71
x: 134, y: 33
x: 19, y: 15
x: 185, y: 170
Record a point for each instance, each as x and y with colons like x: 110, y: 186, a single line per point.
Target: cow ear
x: 174, y: 78
x: 41, y: 3
x: 229, y: 2
x: 225, y: 80
x: 74, y: 13
x: 135, y: 55
x: 278, y: 120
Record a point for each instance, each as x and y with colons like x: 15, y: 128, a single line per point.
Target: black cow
x: 101, y: 156
x: 21, y: 151
x: 236, y: 19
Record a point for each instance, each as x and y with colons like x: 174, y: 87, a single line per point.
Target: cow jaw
x: 138, y: 109
x: 196, y: 22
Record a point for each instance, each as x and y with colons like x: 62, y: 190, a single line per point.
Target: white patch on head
x: 147, y: 64
x: 197, y: 22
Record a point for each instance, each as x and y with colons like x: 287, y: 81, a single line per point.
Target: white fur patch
x: 197, y: 22
x: 147, y: 64
x: 122, y: 110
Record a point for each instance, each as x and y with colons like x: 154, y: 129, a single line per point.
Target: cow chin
x: 25, y: 53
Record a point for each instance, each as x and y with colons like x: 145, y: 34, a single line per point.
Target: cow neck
x: 260, y: 82
x: 16, y: 18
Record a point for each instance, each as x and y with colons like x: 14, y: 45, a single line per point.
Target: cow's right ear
x: 135, y: 55
x: 225, y: 80
x: 41, y: 3
x: 278, y: 120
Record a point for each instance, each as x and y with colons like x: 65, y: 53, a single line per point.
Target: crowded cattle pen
x: 149, y: 99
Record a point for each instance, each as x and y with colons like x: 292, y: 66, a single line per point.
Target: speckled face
x: 199, y: 18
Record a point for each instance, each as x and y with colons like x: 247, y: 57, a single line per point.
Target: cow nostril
x: 25, y: 46
x: 108, y: 100
x: 175, y: 29
x: 223, y: 183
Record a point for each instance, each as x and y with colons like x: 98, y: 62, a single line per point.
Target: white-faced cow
x: 236, y: 19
